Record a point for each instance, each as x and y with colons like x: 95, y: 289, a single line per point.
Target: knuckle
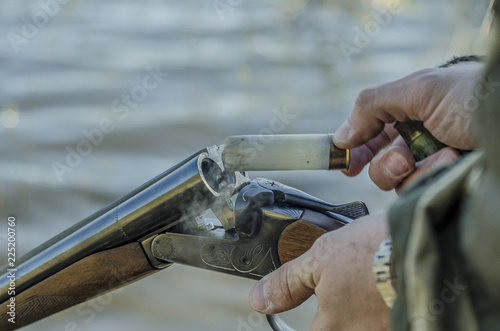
x: 323, y: 250
x: 365, y: 99
x: 429, y: 78
x: 425, y: 88
x: 323, y: 245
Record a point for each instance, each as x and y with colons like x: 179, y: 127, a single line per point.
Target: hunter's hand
x: 443, y: 98
x: 338, y: 269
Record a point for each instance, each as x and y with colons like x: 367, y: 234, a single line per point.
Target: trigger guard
x: 277, y: 323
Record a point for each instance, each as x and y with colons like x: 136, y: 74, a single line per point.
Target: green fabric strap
x: 446, y: 232
x: 431, y: 286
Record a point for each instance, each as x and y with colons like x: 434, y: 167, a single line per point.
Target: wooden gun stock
x: 299, y: 236
x: 83, y: 280
x: 110, y: 269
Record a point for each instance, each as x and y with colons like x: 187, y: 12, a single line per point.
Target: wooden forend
x: 83, y: 280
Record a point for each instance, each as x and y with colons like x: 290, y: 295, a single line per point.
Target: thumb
x: 285, y: 288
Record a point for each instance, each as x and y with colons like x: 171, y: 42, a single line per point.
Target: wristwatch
x: 382, y: 271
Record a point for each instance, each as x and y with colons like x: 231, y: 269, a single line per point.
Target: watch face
x: 387, y: 292
x: 382, y: 271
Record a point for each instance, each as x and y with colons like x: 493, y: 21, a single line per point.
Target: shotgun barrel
x: 155, y: 206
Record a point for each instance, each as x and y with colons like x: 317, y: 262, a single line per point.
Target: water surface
x: 222, y: 73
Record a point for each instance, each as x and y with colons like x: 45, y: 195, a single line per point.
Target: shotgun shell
x: 283, y: 152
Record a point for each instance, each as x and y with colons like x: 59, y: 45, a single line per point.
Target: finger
x: 285, y: 288
x: 388, y: 169
x: 362, y: 155
x: 440, y: 158
x: 382, y: 104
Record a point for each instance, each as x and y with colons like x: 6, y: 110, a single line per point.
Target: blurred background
x: 216, y: 68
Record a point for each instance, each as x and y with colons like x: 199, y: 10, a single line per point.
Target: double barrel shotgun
x: 260, y: 224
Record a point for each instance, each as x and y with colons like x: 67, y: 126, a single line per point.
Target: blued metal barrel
x: 182, y: 191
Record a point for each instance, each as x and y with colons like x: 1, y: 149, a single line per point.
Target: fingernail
x: 445, y: 157
x: 342, y: 133
x: 258, y: 299
x: 396, y: 166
